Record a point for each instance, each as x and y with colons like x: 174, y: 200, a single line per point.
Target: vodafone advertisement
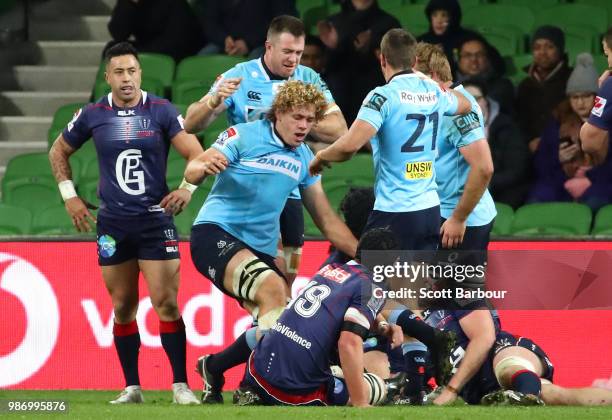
x: 56, y: 322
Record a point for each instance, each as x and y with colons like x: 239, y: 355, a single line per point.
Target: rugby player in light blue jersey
x: 402, y: 118
x: 247, y: 90
x: 233, y: 241
x: 464, y: 165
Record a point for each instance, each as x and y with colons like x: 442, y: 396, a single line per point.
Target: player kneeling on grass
x: 234, y: 237
x: 291, y: 364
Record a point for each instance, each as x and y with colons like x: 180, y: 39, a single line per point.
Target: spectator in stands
x: 445, y: 28
x: 353, y: 37
x: 238, y: 27
x: 314, y: 55
x: 563, y: 172
x: 477, y: 59
x: 157, y: 26
x: 544, y: 88
x: 510, y: 155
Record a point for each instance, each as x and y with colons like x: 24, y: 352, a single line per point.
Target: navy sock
x: 127, y: 343
x: 526, y: 382
x: 415, y: 327
x: 415, y: 355
x: 236, y: 353
x: 174, y: 343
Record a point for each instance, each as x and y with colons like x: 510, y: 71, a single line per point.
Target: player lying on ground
x: 234, y: 237
x: 291, y: 364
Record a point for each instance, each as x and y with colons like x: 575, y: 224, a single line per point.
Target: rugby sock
x: 236, y: 353
x: 526, y: 382
x: 127, y: 343
x: 415, y: 355
x: 413, y: 326
x: 173, y: 340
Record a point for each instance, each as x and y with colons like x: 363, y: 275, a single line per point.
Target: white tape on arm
x: 67, y: 189
x: 189, y: 187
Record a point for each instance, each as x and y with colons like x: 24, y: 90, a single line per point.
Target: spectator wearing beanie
x: 562, y: 171
x: 445, y: 28
x: 544, y: 88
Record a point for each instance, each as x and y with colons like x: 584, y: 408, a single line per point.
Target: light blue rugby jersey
x: 248, y: 197
x: 406, y: 113
x: 452, y: 169
x: 257, y: 90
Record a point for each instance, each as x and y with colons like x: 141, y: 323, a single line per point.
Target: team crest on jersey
x: 375, y: 102
x: 467, y: 123
x: 598, y: 107
x: 145, y: 123
x: 227, y: 136
x: 419, y: 170
x: 74, y: 118
x: 334, y: 274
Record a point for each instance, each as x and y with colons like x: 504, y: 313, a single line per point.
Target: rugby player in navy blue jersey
x: 132, y: 131
x: 494, y: 367
x: 233, y: 241
x: 332, y: 315
x: 246, y: 92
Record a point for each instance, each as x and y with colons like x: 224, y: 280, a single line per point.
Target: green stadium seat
x: 600, y: 61
x: 507, y: 39
x: 53, y: 220
x: 315, y: 14
x: 88, y: 191
x: 303, y: 6
x: 23, y: 193
x: 188, y: 92
x: 175, y: 169
x: 534, y: 5
x: 205, y: 69
x: 158, y: 66
x: 35, y: 166
x: 151, y: 85
x: 515, y: 72
x: 412, y: 18
x: 603, y: 222
x: 310, y: 229
x: 579, y: 39
x: 552, y: 219
x: 503, y: 220
x: 14, y: 220
x: 493, y: 15
x: 359, y: 167
x: 214, y: 129
x: 604, y: 4
x: 184, y: 221
x: 336, y: 190
x: 574, y: 14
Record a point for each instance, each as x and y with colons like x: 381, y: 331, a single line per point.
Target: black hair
x: 121, y: 48
x: 378, y: 239
x: 314, y: 40
x: 476, y: 82
x: 356, y: 207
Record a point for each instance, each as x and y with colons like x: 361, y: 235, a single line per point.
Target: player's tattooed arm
x: 331, y: 127
x: 58, y: 157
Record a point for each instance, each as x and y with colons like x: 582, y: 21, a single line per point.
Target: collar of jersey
x: 143, y: 98
x: 408, y: 72
x: 267, y: 72
x: 278, y: 140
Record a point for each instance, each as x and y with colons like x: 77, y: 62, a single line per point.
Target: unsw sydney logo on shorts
x: 419, y: 170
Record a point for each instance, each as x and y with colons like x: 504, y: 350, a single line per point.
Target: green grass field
x: 94, y: 405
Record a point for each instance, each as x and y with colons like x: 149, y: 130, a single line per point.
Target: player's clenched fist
x: 225, y: 89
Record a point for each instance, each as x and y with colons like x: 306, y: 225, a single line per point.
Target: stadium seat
x: 412, y: 18
x: 516, y: 72
x: 359, y: 167
x: 601, y: 62
x: 157, y: 66
x: 35, y: 166
x: 88, y: 190
x: 603, y: 222
x: 205, y: 69
x: 508, y: 40
x: 310, y: 229
x: 534, y: 5
x: 336, y: 190
x: 22, y: 193
x: 552, y: 219
x: 500, y: 14
x: 14, y: 220
x: 188, y: 92
x: 175, y: 169
x: 53, y: 220
x: 184, y: 221
x: 579, y: 39
x: 604, y: 4
x: 574, y: 14
x: 64, y: 114
x: 214, y: 129
x: 503, y: 220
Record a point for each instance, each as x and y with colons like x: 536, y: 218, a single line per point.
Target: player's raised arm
x: 210, y: 162
x: 202, y: 113
x: 330, y: 128
x: 327, y: 220
x: 60, y: 165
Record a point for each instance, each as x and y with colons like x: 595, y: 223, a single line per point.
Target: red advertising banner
x: 56, y: 321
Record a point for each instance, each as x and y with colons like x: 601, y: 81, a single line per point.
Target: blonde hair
x: 297, y: 94
x: 431, y: 59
